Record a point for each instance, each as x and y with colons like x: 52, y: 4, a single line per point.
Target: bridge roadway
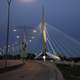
x: 33, y: 70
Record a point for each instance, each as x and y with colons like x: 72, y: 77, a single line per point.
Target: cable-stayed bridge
x: 55, y: 41
x: 58, y: 43
x: 44, y: 38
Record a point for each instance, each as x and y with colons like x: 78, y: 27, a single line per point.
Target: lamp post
x: 7, y: 34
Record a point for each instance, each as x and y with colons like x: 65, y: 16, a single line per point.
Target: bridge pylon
x: 43, y: 28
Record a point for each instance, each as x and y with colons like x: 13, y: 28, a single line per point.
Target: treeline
x: 10, y: 56
x: 75, y: 59
x: 18, y: 56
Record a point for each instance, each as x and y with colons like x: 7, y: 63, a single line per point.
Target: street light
x: 7, y: 34
x: 17, y: 36
x: 30, y: 41
x: 44, y: 58
x: 34, y: 31
x: 14, y: 30
x: 33, y: 37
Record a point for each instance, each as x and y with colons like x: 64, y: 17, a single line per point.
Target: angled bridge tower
x: 43, y: 33
x: 44, y: 53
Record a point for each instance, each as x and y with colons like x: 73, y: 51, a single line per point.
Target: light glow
x: 27, y: 1
x: 34, y: 31
x: 33, y: 37
x: 14, y: 30
x: 30, y: 41
x: 17, y: 36
x: 8, y: 46
x: 44, y: 58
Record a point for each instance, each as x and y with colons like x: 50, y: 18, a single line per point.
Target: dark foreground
x: 69, y: 71
x: 33, y: 70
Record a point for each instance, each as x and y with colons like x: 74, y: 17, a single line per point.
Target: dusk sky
x: 63, y: 14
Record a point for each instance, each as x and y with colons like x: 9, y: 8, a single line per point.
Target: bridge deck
x: 33, y: 70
